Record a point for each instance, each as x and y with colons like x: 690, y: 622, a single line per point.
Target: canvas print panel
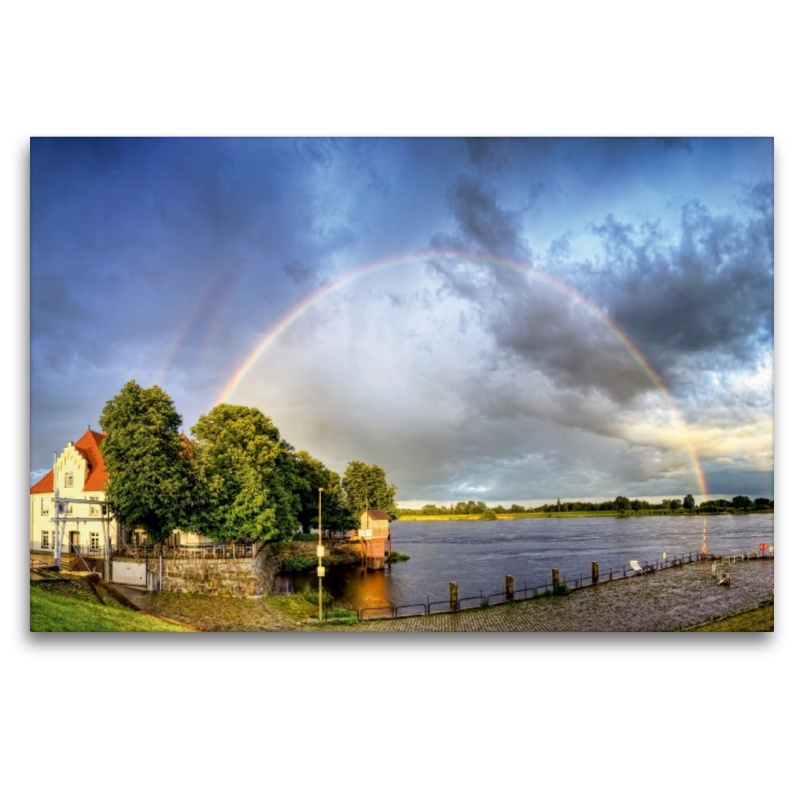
x: 402, y: 384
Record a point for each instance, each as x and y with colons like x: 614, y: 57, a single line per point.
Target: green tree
x: 249, y: 476
x: 688, y: 502
x: 367, y: 484
x: 149, y: 464
x: 741, y: 501
x: 675, y: 504
x: 622, y: 503
x: 313, y: 476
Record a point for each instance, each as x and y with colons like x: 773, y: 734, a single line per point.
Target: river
x: 478, y: 555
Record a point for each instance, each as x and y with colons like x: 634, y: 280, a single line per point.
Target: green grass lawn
x: 62, y: 612
x: 754, y: 619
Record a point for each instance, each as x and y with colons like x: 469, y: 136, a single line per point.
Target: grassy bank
x: 68, y: 611
x: 758, y: 619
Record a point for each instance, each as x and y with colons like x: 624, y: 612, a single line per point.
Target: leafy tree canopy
x: 367, y: 484
x: 249, y: 476
x: 149, y: 464
x: 313, y: 476
x: 688, y: 502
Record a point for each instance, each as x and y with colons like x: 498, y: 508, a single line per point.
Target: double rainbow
x: 297, y: 312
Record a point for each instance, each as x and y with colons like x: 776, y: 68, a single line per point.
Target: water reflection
x: 354, y: 587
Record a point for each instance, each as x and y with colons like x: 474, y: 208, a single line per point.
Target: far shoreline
x: 574, y: 514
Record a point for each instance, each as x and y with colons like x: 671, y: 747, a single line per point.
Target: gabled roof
x: 89, y: 447
x: 43, y: 486
x: 375, y: 513
x: 96, y: 478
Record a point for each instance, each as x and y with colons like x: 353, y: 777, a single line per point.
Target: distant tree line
x: 619, y: 504
x: 234, y: 479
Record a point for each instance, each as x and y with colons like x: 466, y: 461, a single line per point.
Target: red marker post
x: 763, y: 548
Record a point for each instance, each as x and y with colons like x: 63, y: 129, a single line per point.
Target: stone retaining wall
x: 247, y: 577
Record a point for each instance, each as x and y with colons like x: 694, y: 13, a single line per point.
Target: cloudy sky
x: 506, y: 320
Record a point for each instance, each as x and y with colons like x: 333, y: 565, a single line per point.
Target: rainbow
x: 295, y: 313
x: 194, y: 313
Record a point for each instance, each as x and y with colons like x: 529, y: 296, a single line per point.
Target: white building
x: 80, y: 475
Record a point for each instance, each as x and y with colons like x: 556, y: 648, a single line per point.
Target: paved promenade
x: 659, y: 601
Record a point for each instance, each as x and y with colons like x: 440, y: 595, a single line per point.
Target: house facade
x: 79, y: 478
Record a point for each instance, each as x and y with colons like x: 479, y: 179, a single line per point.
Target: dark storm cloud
x: 704, y: 290
x: 494, y: 155
x: 482, y: 222
x: 711, y: 291
x: 531, y: 323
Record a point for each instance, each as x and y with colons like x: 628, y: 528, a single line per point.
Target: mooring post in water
x: 454, y: 597
x: 556, y: 579
x: 595, y: 572
x: 509, y: 587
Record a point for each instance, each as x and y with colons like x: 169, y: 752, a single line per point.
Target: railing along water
x: 532, y: 591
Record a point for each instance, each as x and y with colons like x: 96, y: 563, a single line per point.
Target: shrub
x: 561, y: 589
x: 297, y: 564
x: 395, y: 556
x: 341, y: 616
x: 312, y: 595
x: 301, y: 564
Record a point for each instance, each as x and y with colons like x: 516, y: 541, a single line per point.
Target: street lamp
x: 320, y: 553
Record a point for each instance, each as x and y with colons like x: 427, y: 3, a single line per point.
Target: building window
x: 45, y: 507
x: 45, y: 540
x: 95, y: 541
x: 93, y: 510
x: 68, y: 480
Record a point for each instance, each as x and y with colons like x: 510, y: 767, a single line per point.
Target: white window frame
x: 46, y: 540
x: 69, y: 480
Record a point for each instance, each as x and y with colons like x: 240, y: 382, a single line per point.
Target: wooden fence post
x: 556, y: 579
x: 454, y: 597
x: 509, y: 587
x: 595, y: 572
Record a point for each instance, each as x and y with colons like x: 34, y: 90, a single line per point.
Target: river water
x: 478, y: 555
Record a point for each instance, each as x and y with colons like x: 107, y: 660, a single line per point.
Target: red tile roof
x: 44, y: 486
x: 96, y: 478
